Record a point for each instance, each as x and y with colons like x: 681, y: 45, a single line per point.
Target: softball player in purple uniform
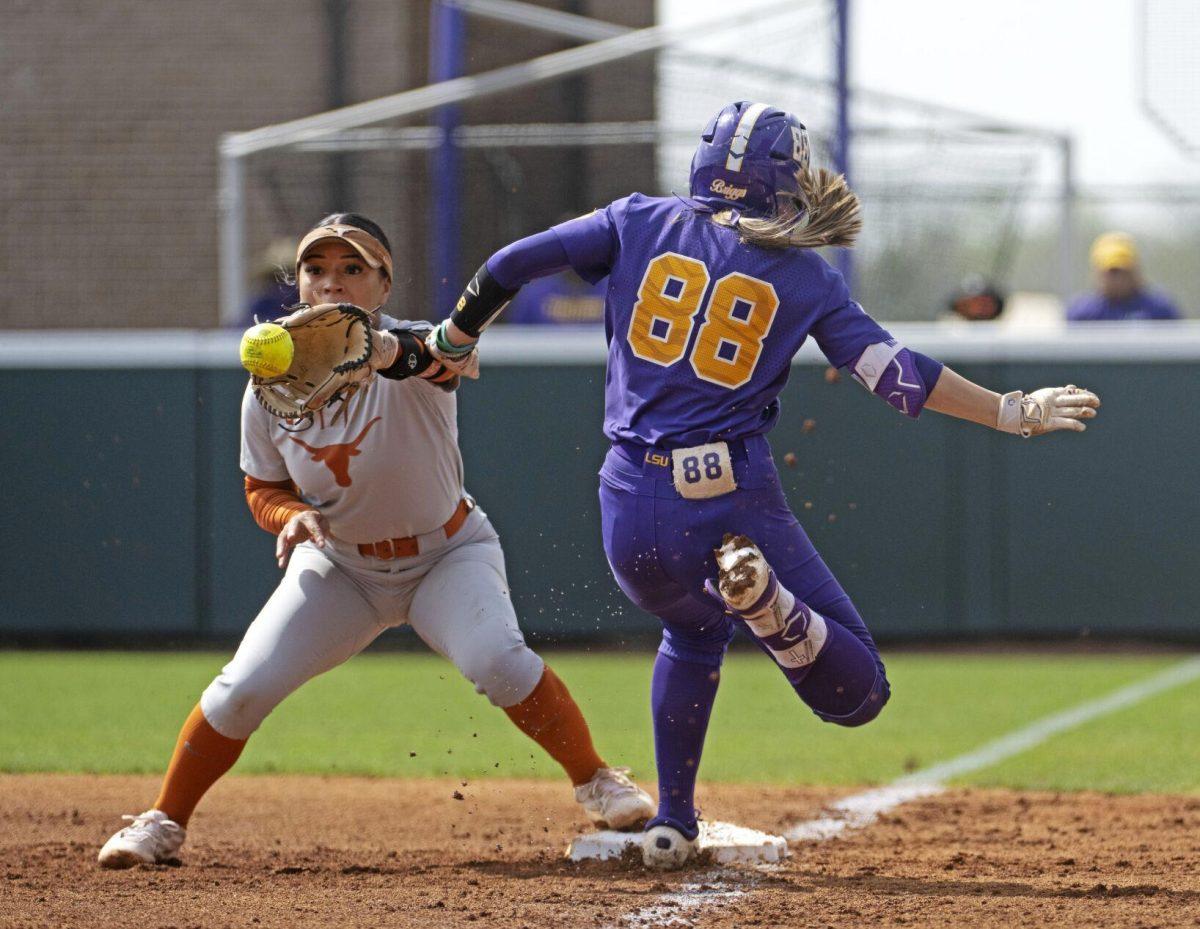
x: 708, y: 300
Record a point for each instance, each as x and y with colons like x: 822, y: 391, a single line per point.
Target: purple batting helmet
x: 748, y: 154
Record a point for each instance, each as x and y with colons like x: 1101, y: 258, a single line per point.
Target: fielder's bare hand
x: 1047, y: 410
x: 311, y: 524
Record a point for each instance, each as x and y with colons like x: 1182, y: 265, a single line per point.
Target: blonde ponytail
x: 830, y: 215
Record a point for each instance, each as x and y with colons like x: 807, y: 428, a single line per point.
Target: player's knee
x: 870, y: 706
x: 506, y: 676
x: 237, y: 707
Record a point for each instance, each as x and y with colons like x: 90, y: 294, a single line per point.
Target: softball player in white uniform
x: 374, y: 529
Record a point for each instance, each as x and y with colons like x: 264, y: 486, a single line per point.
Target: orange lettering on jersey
x: 337, y: 457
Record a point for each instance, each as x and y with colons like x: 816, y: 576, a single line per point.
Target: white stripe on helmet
x: 741, y: 136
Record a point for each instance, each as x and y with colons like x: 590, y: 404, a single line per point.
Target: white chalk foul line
x: 862, y: 809
x: 671, y: 909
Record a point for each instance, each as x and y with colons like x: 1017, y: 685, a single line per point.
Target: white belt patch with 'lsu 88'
x: 703, y: 471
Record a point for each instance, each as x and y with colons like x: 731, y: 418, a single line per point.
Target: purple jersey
x: 702, y: 328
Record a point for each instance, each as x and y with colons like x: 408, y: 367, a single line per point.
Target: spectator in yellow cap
x: 1121, y: 293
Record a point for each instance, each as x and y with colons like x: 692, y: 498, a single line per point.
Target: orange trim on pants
x: 553, y: 719
x: 201, y: 756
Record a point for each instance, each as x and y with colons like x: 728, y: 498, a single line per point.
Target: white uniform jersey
x: 386, y: 465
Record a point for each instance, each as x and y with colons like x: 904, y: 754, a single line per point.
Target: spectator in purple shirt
x: 1121, y: 292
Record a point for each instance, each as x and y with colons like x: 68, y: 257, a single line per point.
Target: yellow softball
x: 266, y: 350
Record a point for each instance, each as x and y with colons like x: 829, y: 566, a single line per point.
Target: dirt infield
x: 291, y: 852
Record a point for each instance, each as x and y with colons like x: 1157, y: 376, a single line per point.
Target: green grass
x: 110, y: 712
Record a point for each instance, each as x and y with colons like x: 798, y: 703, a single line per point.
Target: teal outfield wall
x: 124, y: 517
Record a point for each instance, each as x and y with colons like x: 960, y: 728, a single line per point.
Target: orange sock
x: 201, y: 756
x: 552, y: 718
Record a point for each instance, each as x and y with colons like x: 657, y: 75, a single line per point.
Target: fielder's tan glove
x: 333, y: 348
x: 1047, y: 410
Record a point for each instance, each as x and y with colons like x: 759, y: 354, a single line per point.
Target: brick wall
x: 112, y: 112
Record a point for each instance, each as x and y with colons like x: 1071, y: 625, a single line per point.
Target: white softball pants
x: 332, y: 603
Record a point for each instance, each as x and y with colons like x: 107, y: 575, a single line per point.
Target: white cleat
x: 744, y: 576
x: 665, y: 848
x: 150, y: 838
x: 613, y: 801
x: 790, y: 630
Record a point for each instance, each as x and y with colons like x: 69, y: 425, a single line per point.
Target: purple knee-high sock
x: 844, y: 681
x: 845, y: 684
x: 681, y: 700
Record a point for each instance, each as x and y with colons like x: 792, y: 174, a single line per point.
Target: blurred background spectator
x: 558, y: 299
x: 977, y: 299
x: 270, y: 292
x: 1121, y: 291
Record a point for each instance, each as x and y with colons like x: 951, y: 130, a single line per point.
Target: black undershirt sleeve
x: 480, y: 303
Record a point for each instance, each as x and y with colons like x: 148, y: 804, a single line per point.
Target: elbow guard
x: 901, y: 377
x: 480, y: 303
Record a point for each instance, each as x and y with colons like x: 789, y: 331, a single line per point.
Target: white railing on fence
x: 567, y: 345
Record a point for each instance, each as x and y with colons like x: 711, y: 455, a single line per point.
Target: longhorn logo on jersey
x: 337, y: 457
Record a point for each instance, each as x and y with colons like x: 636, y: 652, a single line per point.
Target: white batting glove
x: 1047, y: 410
x: 463, y: 360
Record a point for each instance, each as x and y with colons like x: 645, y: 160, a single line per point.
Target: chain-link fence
x: 946, y: 193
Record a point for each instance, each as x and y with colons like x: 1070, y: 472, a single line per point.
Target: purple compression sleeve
x: 502, y: 275
x: 534, y: 256
x: 585, y: 244
x: 520, y: 262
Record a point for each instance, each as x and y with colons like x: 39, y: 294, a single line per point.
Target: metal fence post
x: 231, y: 249
x: 1066, y: 233
x: 445, y: 63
